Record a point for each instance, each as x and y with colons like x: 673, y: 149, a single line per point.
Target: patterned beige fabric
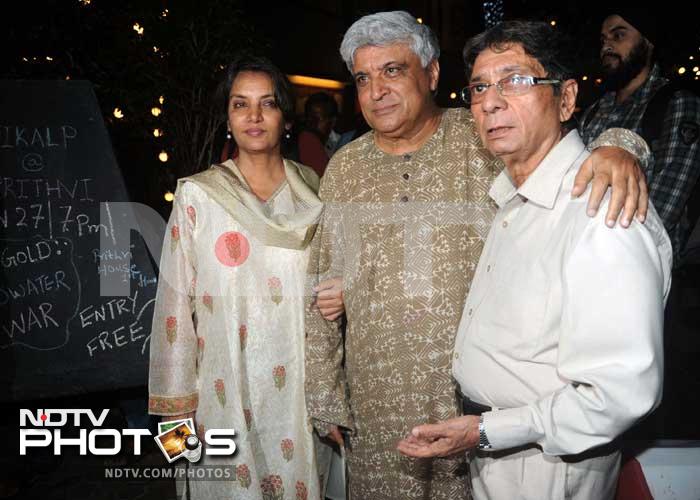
x: 228, y: 330
x: 405, y: 232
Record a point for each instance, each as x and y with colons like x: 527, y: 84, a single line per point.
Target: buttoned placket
x: 503, y: 223
x: 406, y: 176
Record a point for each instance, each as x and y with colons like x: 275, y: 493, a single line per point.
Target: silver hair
x: 387, y: 28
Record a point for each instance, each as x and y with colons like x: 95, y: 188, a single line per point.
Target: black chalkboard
x: 66, y: 233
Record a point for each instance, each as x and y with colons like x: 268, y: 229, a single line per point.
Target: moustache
x: 610, y: 54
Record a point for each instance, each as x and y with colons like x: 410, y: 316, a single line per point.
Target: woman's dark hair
x: 539, y: 40
x: 284, y: 95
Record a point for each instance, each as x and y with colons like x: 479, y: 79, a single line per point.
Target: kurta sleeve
x: 610, y: 353
x: 625, y: 139
x: 172, y: 371
x: 325, y: 380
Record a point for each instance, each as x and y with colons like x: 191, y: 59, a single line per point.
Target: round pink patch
x: 232, y: 249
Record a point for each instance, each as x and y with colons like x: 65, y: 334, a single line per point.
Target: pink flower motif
x: 302, y: 493
x: 279, y: 374
x: 174, y: 238
x: 287, y: 446
x: 220, y: 391
x: 200, y: 350
x: 243, y: 336
x: 232, y: 248
x: 248, y: 418
x: 233, y: 245
x: 192, y: 214
x: 275, y: 286
x: 272, y: 488
x: 243, y: 475
x: 208, y: 301
x: 171, y: 329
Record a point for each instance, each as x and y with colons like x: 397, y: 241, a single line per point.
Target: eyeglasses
x: 509, y: 86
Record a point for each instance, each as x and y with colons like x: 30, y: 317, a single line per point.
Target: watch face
x: 191, y: 442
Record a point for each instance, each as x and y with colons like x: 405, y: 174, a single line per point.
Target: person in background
x: 667, y: 115
x: 318, y: 140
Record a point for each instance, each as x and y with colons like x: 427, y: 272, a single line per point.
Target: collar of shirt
x: 544, y: 183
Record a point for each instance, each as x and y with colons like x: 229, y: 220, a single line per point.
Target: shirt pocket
x: 511, y: 320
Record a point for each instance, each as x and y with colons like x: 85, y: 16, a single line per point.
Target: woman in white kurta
x: 228, y: 330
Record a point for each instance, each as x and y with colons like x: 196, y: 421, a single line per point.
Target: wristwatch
x: 483, y: 440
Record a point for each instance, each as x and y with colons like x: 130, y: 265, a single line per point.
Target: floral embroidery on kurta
x: 275, y: 286
x: 171, y: 329
x: 248, y: 415
x: 272, y: 488
x: 287, y: 446
x: 302, y: 493
x: 279, y: 374
x: 174, y: 238
x: 208, y: 302
x: 192, y: 214
x: 243, y: 336
x: 232, y: 249
x: 243, y: 475
x: 220, y: 391
x: 171, y: 406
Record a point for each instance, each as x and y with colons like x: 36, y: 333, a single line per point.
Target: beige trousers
x: 528, y: 474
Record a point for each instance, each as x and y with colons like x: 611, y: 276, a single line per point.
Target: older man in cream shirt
x: 559, y: 349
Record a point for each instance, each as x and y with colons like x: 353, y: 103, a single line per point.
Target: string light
x: 49, y: 58
x: 553, y: 23
x: 453, y: 95
x: 163, y: 156
x: 138, y: 29
x: 85, y: 2
x: 155, y: 111
x: 155, y: 49
x: 584, y: 78
x: 695, y: 69
x: 420, y: 20
x: 493, y: 13
x: 157, y: 132
x: 118, y: 113
x: 164, y: 13
x: 690, y: 58
x: 598, y: 81
x: 161, y: 99
x: 169, y: 197
x: 681, y: 70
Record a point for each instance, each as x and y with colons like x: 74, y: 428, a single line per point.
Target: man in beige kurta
x: 406, y: 213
